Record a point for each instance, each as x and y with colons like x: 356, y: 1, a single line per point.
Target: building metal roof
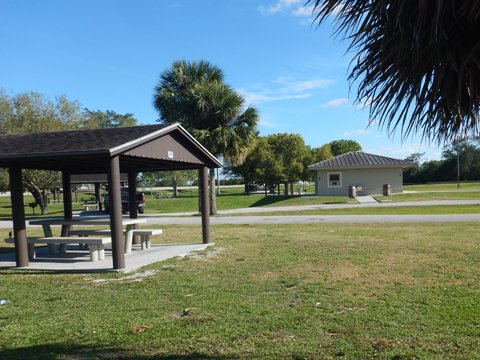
x: 358, y: 160
x: 141, y: 148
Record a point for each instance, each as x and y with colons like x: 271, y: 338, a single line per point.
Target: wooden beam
x: 204, y: 203
x: 115, y: 199
x: 67, y: 195
x: 18, y: 214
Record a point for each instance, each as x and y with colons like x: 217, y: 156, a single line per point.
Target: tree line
x: 33, y: 112
x: 283, y: 159
x: 460, y: 162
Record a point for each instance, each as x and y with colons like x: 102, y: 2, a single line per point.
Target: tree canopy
x: 107, y: 119
x: 195, y: 95
x: 416, y: 62
x: 339, y: 147
x: 33, y: 112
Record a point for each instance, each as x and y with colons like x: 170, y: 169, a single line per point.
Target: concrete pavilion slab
x: 78, y: 261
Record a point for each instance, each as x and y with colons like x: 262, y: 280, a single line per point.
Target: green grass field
x: 234, y: 197
x: 318, y: 291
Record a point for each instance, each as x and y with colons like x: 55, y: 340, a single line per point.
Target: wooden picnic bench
x: 96, y: 245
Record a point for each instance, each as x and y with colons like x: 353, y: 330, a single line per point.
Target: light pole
x: 458, y: 163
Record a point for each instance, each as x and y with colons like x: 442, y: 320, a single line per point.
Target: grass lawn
x: 319, y: 291
x: 390, y: 210
x: 470, y: 186
x: 234, y: 197
x: 426, y: 196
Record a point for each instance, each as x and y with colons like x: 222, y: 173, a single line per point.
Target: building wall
x: 371, y: 181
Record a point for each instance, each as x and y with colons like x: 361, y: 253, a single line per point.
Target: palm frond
x: 416, y: 62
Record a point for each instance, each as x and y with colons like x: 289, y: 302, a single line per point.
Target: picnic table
x: 66, y: 224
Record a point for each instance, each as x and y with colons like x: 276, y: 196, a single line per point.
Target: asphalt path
x: 314, y: 219
x: 225, y: 217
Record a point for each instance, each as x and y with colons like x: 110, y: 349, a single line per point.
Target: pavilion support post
x: 98, y: 197
x: 67, y: 195
x: 18, y: 214
x: 132, y: 201
x: 204, y: 203
x: 67, y: 211
x: 115, y: 200
x: 132, y: 194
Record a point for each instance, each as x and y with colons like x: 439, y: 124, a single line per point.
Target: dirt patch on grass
x: 205, y: 254
x: 130, y: 278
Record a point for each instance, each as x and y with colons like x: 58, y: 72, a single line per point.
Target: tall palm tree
x: 195, y: 95
x: 416, y: 62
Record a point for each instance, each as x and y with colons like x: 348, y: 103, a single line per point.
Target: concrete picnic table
x: 67, y: 224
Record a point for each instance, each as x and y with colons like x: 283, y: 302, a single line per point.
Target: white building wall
x: 370, y: 181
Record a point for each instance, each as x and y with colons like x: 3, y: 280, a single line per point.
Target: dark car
x: 125, y: 197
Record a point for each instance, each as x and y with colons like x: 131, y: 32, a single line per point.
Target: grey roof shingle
x: 358, y: 159
x: 85, y: 141
x: 143, y: 148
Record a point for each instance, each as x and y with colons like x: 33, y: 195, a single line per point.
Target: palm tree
x: 195, y: 95
x: 416, y: 62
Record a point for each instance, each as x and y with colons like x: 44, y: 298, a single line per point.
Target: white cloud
x: 310, y: 84
x: 263, y: 97
x: 356, y: 132
x: 303, y: 11
x: 335, y: 103
x: 280, y: 6
x: 283, y: 88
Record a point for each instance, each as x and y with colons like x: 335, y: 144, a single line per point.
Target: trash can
x: 352, y: 192
x: 387, y: 190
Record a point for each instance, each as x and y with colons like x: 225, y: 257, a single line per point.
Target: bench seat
x: 89, y: 232
x: 145, y: 234
x: 96, y: 245
x: 92, y: 205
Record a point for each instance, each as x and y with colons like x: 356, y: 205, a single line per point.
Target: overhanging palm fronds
x: 417, y: 63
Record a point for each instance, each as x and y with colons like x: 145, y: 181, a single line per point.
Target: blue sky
x: 108, y: 55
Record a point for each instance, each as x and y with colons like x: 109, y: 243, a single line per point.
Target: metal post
x: 204, y: 203
x: 458, y: 163
x: 18, y: 214
x: 115, y: 200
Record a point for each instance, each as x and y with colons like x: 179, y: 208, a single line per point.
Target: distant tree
x: 313, y: 156
x: 194, y: 94
x: 32, y: 112
x: 469, y: 159
x: 291, y: 151
x: 416, y: 62
x: 431, y: 171
x: 108, y: 119
x: 269, y: 168
x: 339, y: 147
x: 411, y: 173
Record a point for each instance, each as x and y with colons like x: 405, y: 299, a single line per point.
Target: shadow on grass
x: 75, y: 351
x: 269, y: 200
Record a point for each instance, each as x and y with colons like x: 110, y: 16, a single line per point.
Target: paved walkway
x: 366, y: 200
x: 223, y: 218
x: 78, y: 261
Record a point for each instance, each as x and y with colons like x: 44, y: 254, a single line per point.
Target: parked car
x: 125, y: 201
